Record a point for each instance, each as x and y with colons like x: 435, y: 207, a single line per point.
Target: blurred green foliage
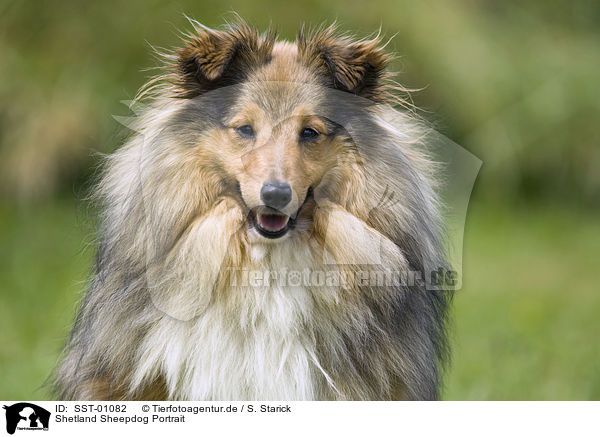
x: 515, y: 83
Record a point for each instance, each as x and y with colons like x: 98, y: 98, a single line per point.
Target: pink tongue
x: 272, y: 222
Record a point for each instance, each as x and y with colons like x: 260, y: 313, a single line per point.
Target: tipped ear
x: 216, y: 58
x: 358, y: 67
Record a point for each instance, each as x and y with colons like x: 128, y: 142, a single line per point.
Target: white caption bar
x: 300, y: 418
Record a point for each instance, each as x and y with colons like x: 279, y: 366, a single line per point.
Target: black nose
x: 276, y: 195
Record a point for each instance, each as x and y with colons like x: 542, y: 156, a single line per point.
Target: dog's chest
x: 261, y: 348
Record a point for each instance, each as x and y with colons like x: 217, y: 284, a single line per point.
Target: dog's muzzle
x: 270, y: 223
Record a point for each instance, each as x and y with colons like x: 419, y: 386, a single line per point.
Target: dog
x: 259, y: 173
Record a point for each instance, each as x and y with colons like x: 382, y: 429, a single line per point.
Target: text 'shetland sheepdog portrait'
x: 247, y: 227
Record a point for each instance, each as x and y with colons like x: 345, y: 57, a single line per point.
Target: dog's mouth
x: 270, y: 223
x: 273, y: 224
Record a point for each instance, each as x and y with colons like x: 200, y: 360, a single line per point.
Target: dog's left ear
x: 358, y: 67
x: 216, y: 58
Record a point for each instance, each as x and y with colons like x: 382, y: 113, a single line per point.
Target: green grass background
x: 514, y: 83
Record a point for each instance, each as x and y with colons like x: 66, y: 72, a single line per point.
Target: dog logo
x: 26, y: 416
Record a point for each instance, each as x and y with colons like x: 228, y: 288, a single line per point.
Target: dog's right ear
x: 215, y: 58
x: 357, y: 67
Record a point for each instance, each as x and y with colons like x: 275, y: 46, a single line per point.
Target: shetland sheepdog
x: 266, y: 232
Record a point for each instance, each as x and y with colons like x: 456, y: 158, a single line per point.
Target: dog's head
x: 275, y: 134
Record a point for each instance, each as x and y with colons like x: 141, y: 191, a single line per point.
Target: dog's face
x: 274, y: 139
x: 281, y: 150
x: 283, y: 160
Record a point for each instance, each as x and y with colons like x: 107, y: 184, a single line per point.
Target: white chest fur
x: 260, y: 348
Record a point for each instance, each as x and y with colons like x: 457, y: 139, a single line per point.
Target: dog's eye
x: 308, y: 134
x: 245, y: 131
